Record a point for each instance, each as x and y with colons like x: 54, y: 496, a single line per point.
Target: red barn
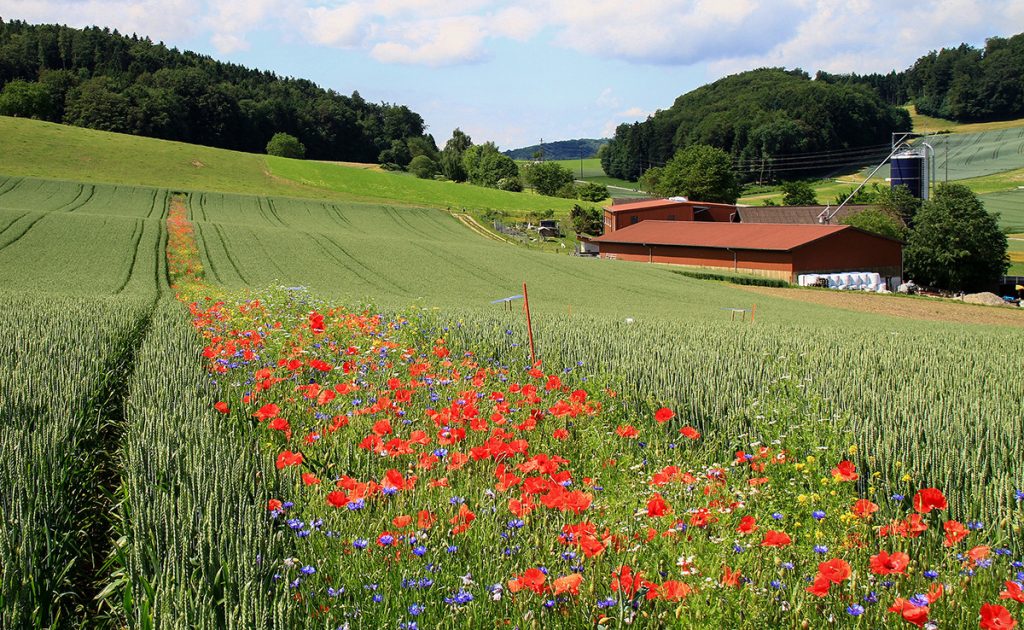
x: 619, y: 216
x: 781, y: 251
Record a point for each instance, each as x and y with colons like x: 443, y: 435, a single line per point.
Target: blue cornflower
x: 789, y: 566
x: 777, y: 585
x: 818, y: 515
x: 452, y: 549
x: 1019, y: 495
x: 360, y: 543
x: 984, y: 563
x: 307, y: 570
x: 820, y: 549
x: 377, y: 598
x: 777, y: 516
x: 334, y: 592
x: 920, y: 600
x: 459, y: 599
x: 931, y: 574
x: 1003, y: 551
x: 425, y: 582
x: 516, y: 523
x: 386, y: 539
x: 855, y: 610
x: 737, y: 549
x: 416, y: 610
x: 419, y: 551
x: 606, y: 603
x: 975, y: 525
x: 897, y: 497
x: 358, y: 504
x: 456, y: 500
x: 871, y: 598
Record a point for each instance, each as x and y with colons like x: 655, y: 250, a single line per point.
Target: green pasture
x: 930, y: 124
x: 1016, y: 251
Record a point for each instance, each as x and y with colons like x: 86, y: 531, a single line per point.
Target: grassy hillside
x: 930, y: 124
x: 38, y: 149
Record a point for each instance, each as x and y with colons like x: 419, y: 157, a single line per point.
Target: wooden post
x: 529, y: 325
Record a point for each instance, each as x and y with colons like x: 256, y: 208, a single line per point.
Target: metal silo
x: 910, y: 168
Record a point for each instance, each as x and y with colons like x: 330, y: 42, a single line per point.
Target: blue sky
x: 521, y: 70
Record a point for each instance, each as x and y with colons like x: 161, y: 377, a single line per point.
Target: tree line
x: 964, y: 84
x: 773, y: 123
x: 101, y: 79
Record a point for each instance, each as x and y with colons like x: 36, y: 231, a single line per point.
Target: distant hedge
x: 744, y: 280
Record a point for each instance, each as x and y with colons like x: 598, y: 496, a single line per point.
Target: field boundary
x: 472, y: 224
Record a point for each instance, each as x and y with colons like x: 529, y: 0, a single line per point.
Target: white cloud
x: 607, y: 99
x: 730, y: 35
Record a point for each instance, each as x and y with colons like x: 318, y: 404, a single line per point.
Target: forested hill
x: 560, y: 150
x: 101, y: 79
x: 964, y: 84
x: 767, y: 119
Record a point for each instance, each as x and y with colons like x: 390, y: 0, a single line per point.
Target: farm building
x: 618, y: 216
x: 775, y: 250
x: 792, y: 214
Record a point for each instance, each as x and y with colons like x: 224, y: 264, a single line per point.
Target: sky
x: 518, y: 71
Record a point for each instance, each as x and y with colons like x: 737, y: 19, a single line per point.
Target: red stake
x: 529, y: 326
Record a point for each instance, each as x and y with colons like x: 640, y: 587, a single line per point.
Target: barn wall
x: 849, y: 250
x: 772, y: 264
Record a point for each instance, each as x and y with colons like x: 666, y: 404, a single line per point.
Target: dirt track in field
x: 931, y: 309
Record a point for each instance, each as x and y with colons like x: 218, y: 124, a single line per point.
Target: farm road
x: 931, y: 309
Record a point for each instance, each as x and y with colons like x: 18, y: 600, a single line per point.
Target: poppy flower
x: 747, y: 525
x: 657, y: 506
x: 674, y: 591
x: 221, y: 407
x: 310, y: 479
x: 625, y: 581
x: 337, y: 499
x: 863, y: 508
x: 288, y: 458
x: 836, y: 570
x: 955, y: 532
x: 424, y: 519
x: 627, y: 431
x: 402, y: 521
x: 928, y: 499
x: 533, y: 579
x: 690, y: 433
x: 275, y: 504
x: 773, y: 538
x: 820, y: 587
x: 917, y: 615
x: 567, y: 584
x: 730, y: 577
x: 845, y: 471
x: 663, y: 415
x: 1013, y: 591
x: 995, y: 617
x: 266, y: 412
x: 884, y: 563
x: 462, y: 520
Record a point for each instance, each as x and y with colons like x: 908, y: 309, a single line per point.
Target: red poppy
x: 884, y: 564
x: 690, y: 433
x: 747, y: 525
x: 836, y: 570
x: 995, y: 617
x: 917, y: 615
x: 657, y: 506
x: 845, y: 471
x: 310, y: 479
x: 627, y: 431
x: 864, y: 508
x: 316, y: 322
x: 663, y: 415
x: 533, y: 579
x: 266, y: 412
x: 773, y: 538
x: 978, y: 553
x: 730, y: 577
x: 1013, y: 591
x: 424, y: 519
x: 462, y: 520
x: 568, y: 584
x: 275, y: 504
x: 221, y: 407
x: 288, y: 458
x: 624, y: 580
x: 560, y: 434
x: 402, y: 521
x: 820, y: 587
x: 674, y: 591
x: 955, y: 532
x: 928, y: 499
x: 337, y: 499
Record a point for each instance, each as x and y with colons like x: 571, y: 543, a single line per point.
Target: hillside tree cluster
x: 771, y: 122
x: 963, y: 84
x: 101, y: 79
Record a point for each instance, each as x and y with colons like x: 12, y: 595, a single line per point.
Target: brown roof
x: 776, y: 237
x: 792, y: 214
x: 661, y: 203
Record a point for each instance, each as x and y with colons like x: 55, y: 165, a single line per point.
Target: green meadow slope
x: 39, y: 149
